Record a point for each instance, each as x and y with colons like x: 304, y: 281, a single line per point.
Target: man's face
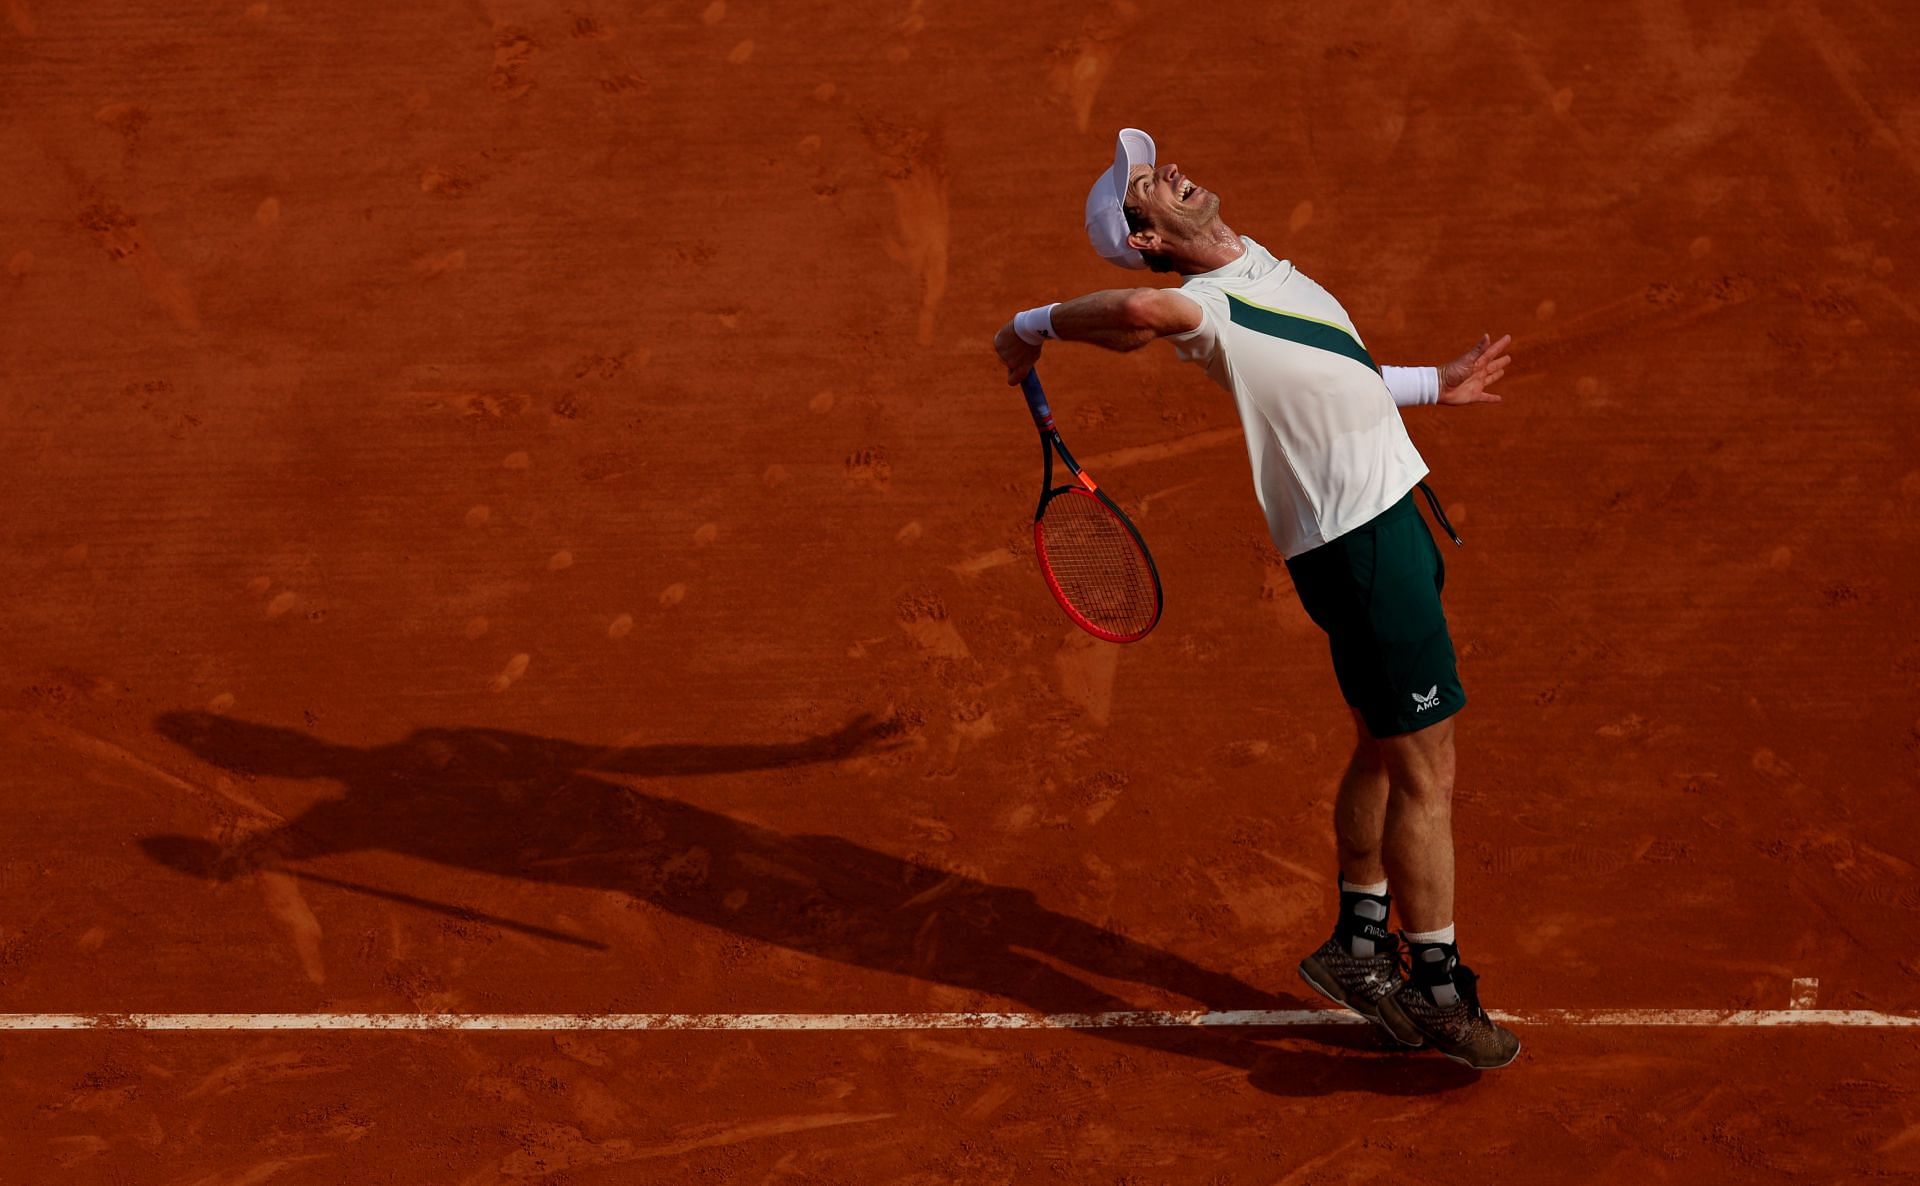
x: 1173, y: 205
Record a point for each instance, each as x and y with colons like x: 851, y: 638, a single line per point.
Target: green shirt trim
x: 1293, y: 327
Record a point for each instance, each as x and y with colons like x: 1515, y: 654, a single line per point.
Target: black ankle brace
x: 1363, y: 921
x: 1432, y: 963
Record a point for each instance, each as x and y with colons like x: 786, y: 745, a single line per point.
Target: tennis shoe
x: 1360, y: 982
x: 1459, y: 1029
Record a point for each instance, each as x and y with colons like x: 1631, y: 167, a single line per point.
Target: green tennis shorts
x: 1376, y: 592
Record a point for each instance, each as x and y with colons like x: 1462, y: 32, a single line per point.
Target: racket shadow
x: 547, y: 810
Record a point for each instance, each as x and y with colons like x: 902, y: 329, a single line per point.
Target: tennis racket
x: 1095, y: 563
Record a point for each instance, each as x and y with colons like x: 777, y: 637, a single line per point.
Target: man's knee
x: 1433, y: 789
x: 1420, y: 765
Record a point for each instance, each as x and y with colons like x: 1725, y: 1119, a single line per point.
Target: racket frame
x: 1084, y: 487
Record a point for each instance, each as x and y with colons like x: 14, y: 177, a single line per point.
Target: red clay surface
x: 549, y: 463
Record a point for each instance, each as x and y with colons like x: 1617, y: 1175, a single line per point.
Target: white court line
x: 1133, y: 1019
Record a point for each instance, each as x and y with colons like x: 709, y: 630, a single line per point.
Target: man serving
x: 1335, y: 472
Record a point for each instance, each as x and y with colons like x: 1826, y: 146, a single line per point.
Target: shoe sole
x: 1311, y: 971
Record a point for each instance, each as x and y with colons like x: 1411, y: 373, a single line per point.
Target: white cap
x: 1106, y: 222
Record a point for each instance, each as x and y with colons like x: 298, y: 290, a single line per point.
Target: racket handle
x: 1036, y: 399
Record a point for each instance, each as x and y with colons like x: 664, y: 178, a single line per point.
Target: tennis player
x: 1335, y: 472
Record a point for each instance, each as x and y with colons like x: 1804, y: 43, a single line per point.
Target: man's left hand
x: 1465, y: 380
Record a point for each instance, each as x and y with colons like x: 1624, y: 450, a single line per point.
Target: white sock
x: 1443, y: 935
x: 1377, y: 889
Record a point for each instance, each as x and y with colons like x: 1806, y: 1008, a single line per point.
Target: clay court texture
x: 516, y: 549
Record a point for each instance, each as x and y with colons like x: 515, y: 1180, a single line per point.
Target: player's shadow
x: 547, y: 810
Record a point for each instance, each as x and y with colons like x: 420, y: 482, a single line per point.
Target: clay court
x: 513, y: 519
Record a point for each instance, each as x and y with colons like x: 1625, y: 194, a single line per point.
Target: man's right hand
x: 1465, y: 380
x: 1018, y: 356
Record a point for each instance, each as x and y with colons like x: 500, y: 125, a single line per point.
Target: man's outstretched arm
x: 1117, y: 319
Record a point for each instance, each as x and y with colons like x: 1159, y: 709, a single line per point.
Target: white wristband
x: 1412, y: 386
x: 1034, y: 326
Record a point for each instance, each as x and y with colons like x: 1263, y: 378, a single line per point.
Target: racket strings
x: 1097, y: 565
